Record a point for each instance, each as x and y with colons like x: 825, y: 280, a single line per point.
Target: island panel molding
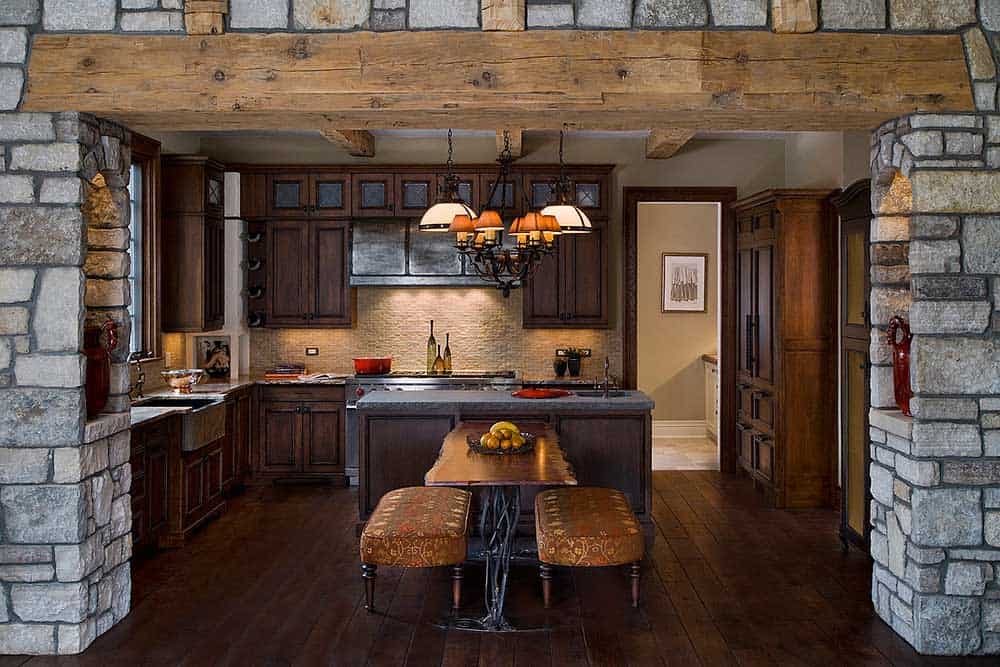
x: 709, y: 80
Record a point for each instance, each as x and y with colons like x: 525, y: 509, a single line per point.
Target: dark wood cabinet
x: 288, y: 195
x: 307, y: 275
x: 509, y: 194
x: 415, y: 193
x: 786, y: 301
x: 325, y: 194
x: 301, y: 432
x: 570, y: 288
x: 150, y: 445
x: 374, y: 195
x: 236, y: 447
x: 193, y: 244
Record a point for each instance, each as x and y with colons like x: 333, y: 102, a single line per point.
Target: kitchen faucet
x: 609, y: 380
x: 140, y: 373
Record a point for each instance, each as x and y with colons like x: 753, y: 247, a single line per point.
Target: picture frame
x: 214, y: 355
x: 684, y: 282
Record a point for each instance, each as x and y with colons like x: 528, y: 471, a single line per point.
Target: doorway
x: 677, y: 329
x: 720, y: 198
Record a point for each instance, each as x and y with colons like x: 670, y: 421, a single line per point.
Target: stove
x: 360, y: 385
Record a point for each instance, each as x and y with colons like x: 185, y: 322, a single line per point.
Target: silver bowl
x: 183, y: 379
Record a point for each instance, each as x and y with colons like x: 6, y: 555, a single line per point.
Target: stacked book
x: 285, y: 372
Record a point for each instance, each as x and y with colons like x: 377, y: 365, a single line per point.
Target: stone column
x: 935, y: 477
x: 65, y: 519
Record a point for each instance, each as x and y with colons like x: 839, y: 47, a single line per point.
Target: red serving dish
x: 540, y: 392
x: 372, y: 365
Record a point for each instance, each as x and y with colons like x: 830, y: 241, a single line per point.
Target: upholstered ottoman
x: 417, y: 526
x: 586, y: 527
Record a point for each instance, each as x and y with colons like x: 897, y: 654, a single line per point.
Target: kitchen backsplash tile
x: 485, y: 330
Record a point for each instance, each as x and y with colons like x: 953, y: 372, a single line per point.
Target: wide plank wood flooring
x: 728, y: 582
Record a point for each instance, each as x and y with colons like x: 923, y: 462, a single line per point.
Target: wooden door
x: 745, y: 290
x: 584, y: 277
x: 373, y: 195
x: 329, y: 274
x: 323, y: 437
x: 763, y: 324
x: 280, y: 437
x: 215, y: 273
x: 854, y: 448
x: 415, y: 193
x: 855, y: 278
x: 288, y: 195
x: 287, y: 288
x: 330, y: 195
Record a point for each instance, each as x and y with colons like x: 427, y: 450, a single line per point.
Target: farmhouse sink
x: 598, y: 393
x: 203, y: 422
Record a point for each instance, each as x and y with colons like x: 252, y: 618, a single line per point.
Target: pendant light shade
x: 439, y: 216
x: 489, y: 221
x: 571, y: 219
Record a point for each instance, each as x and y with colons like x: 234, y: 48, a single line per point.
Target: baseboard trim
x: 680, y: 428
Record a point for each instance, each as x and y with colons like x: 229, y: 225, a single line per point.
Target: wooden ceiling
x: 688, y: 80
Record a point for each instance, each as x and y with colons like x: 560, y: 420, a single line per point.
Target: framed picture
x: 212, y: 354
x: 684, y: 282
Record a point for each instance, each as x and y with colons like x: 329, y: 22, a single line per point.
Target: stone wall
x: 383, y: 15
x: 935, y: 478
x: 65, y: 518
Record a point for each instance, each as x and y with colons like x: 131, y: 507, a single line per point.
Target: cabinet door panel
x: 330, y: 195
x: 323, y: 439
x: 764, y: 320
x: 243, y: 412
x: 215, y: 273
x: 288, y: 195
x: 744, y: 277
x: 157, y: 487
x: 194, y: 485
x: 746, y: 446
x: 542, y: 294
x: 509, y: 194
x: 213, y: 473
x: 854, y: 393
x: 415, y: 193
x: 585, y: 287
x: 764, y: 461
x: 279, y: 437
x: 373, y: 195
x: 287, y: 273
x: 329, y: 274
x: 229, y: 446
x: 593, y: 447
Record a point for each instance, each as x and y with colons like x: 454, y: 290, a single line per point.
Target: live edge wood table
x: 501, y: 477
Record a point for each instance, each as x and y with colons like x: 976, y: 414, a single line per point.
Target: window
x: 144, y: 227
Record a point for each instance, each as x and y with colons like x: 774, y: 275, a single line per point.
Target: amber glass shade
x: 489, y: 221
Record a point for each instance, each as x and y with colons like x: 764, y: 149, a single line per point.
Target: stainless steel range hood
x: 396, y: 253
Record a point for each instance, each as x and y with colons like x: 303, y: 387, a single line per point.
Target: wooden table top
x: 457, y: 465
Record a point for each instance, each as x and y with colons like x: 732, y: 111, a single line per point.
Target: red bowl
x: 372, y: 365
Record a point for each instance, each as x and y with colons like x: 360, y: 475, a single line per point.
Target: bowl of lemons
x: 502, y: 438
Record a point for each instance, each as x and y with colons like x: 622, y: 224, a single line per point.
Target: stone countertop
x: 563, y: 381
x: 143, y: 415
x: 501, y: 401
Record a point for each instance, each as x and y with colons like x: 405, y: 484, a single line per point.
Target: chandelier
x: 449, y: 204
x: 479, y: 239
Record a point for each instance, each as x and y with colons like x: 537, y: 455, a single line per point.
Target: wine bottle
x: 438, y: 367
x: 447, y: 353
x: 431, y: 350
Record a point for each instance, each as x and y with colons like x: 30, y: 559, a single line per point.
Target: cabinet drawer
x: 763, y: 407
x: 302, y: 393
x: 745, y: 402
x: 764, y: 457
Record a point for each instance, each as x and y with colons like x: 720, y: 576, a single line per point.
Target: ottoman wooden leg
x: 456, y: 586
x: 634, y: 571
x: 368, y: 572
x: 546, y: 573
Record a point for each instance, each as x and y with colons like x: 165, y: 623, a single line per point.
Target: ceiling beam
x: 662, y: 144
x: 612, y: 80
x: 358, y: 143
x: 516, y: 140
x: 503, y: 15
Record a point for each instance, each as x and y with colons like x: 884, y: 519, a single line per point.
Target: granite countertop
x: 415, y: 401
x: 141, y: 415
x: 568, y: 381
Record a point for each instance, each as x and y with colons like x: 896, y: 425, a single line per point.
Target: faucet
x: 140, y: 373
x: 609, y: 380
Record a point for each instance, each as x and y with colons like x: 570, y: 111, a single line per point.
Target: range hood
x: 394, y: 253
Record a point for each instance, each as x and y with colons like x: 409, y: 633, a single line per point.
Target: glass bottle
x: 432, y: 348
x: 438, y: 367
x: 447, y: 353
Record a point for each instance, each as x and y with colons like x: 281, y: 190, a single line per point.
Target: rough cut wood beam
x: 358, y: 143
x: 662, y: 144
x: 484, y: 80
x: 205, y: 17
x: 504, y: 15
x: 795, y: 15
x: 516, y: 137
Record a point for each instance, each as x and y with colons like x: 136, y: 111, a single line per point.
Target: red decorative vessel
x: 899, y: 337
x: 98, y: 353
x: 540, y: 392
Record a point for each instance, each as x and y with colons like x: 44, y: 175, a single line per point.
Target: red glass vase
x: 98, y: 342
x: 899, y: 337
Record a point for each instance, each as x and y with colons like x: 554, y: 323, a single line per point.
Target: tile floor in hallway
x: 685, y: 454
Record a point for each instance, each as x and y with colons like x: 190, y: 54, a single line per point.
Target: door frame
x: 724, y: 196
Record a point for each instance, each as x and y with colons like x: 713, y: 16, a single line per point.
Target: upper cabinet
x: 374, y: 195
x: 193, y: 244
x: 298, y: 195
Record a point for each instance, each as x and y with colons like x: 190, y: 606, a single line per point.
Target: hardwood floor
x: 276, y: 582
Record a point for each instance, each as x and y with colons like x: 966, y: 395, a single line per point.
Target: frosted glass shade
x: 571, y: 219
x: 438, y: 217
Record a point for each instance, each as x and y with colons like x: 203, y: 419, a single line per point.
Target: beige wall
x: 670, y: 345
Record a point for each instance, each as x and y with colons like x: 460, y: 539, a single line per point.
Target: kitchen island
x: 607, y: 440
